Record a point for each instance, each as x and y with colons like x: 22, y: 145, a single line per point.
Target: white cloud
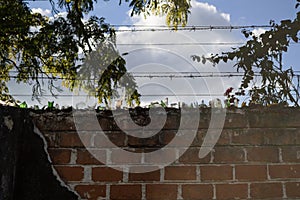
x: 45, y: 12
x: 209, y: 11
x: 61, y: 14
x: 176, y: 58
x: 48, y: 13
x: 259, y: 31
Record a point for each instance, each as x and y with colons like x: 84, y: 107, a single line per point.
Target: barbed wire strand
x: 150, y: 75
x: 144, y: 95
x: 160, y: 29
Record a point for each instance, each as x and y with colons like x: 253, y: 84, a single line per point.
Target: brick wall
x: 256, y: 157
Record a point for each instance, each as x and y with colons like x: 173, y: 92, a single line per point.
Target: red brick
x: 86, y: 122
x: 68, y: 173
x: 161, y: 191
x: 172, y: 122
x: 216, y: 173
x: 72, y: 139
x: 252, y: 136
x: 251, y: 172
x: 166, y: 137
x: 106, y: 174
x: 225, y: 137
x: 117, y: 138
x: 235, y: 120
x: 91, y: 192
x: 180, y: 173
x: 232, y: 191
x: 149, y: 176
x: 60, y: 156
x: 263, y: 154
x: 84, y: 157
x: 280, y: 136
x: 51, y: 138
x: 191, y: 155
x: 118, y: 158
x: 205, y: 118
x: 126, y: 192
x: 105, y: 123
x: 228, y: 155
x: 284, y: 171
x: 166, y: 154
x: 266, y: 190
x: 182, y: 138
x: 143, y: 142
x: 292, y: 189
x: 197, y: 191
x: 291, y: 154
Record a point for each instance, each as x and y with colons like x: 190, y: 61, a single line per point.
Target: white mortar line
x: 284, y: 190
x: 245, y: 155
x: 280, y: 155
x: 125, y: 174
x: 107, y: 191
x: 249, y: 190
x: 87, y: 174
x: 214, y: 191
x: 73, y: 157
x: 143, y: 191
x: 162, y: 174
x: 198, y: 173
x: 179, y: 192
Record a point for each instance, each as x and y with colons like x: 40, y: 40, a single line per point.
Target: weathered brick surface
x: 60, y: 156
x: 253, y: 136
x: 291, y: 153
x: 251, y: 172
x: 180, y: 173
x: 144, y: 142
x: 70, y: 139
x: 266, y: 190
x: 197, y: 191
x: 118, y: 138
x: 92, y: 157
x: 228, y: 155
x: 284, y: 171
x: 148, y: 176
x: 256, y: 157
x: 51, y: 138
x: 216, y: 173
x: 264, y: 154
x: 224, y: 139
x: 126, y: 192
x: 106, y: 174
x: 191, y: 155
x: 232, y: 191
x: 161, y: 191
x: 166, y: 154
x: 280, y: 136
x: 292, y: 189
x: 92, y: 192
x: 70, y: 173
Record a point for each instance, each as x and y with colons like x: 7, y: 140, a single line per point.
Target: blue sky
x: 174, y: 58
x: 241, y: 11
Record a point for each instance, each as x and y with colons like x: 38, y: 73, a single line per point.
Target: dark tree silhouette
x: 263, y: 55
x: 36, y: 50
